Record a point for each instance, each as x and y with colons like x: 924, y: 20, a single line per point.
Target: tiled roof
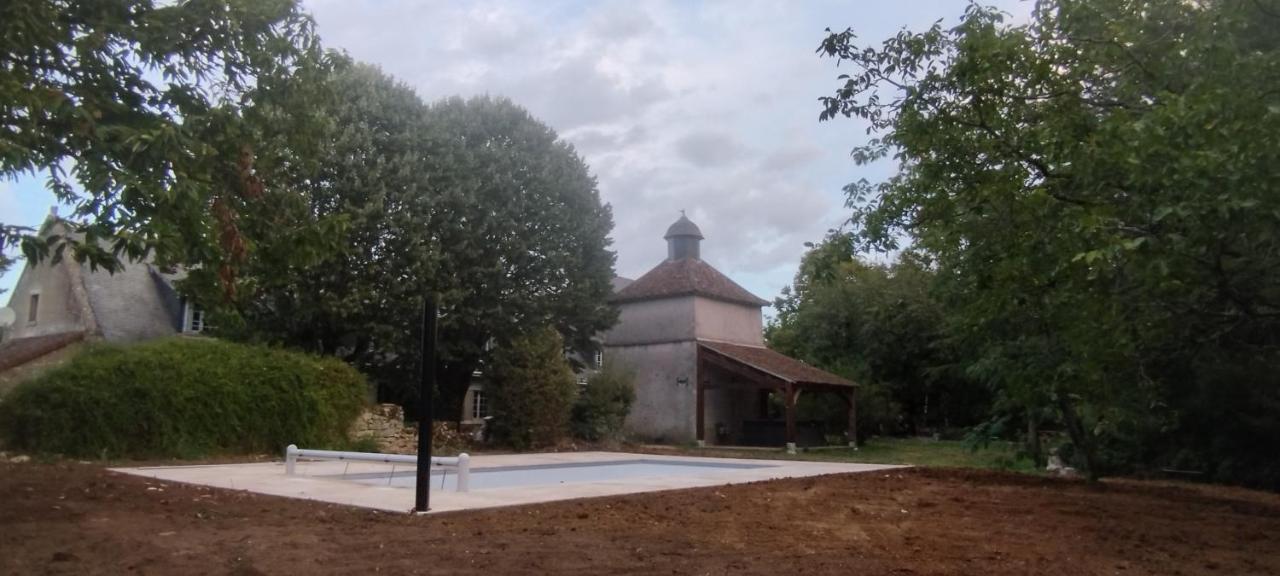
x: 684, y: 277
x: 19, y: 351
x: 775, y: 364
x: 619, y: 282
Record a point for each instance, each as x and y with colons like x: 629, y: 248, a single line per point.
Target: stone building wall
x: 384, y: 424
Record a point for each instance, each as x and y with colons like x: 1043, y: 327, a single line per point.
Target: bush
x: 183, y: 398
x: 533, y: 390
x: 602, y: 408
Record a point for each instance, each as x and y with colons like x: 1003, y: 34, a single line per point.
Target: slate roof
x: 686, y: 277
x: 775, y: 364
x: 137, y: 302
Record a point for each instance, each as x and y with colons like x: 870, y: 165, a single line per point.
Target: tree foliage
x: 311, y: 201
x: 132, y: 110
x: 472, y: 200
x: 524, y: 237
x: 532, y: 390
x: 601, y: 409
x: 349, y: 153
x: 1098, y: 189
x: 882, y: 326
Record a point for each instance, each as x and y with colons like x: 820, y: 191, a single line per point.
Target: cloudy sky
x: 705, y: 107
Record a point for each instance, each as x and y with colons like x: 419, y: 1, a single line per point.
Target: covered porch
x: 735, y: 383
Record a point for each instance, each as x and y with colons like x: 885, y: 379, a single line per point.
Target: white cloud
x: 709, y: 149
x: 707, y: 107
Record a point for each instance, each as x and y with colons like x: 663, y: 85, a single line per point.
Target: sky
x: 707, y: 107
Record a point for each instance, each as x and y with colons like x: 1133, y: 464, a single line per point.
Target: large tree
x: 1098, y: 188
x: 526, y: 241
x: 348, y: 248
x: 474, y: 201
x: 882, y: 325
x: 130, y: 108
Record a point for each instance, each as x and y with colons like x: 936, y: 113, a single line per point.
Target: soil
x: 65, y: 518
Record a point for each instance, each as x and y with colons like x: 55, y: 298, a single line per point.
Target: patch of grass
x: 911, y: 451
x: 929, y: 452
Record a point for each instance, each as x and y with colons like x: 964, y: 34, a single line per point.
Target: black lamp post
x: 426, y: 385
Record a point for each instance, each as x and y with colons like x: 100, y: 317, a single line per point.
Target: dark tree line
x: 1095, y: 195
x: 883, y: 326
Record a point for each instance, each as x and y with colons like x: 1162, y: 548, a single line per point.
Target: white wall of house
x: 650, y: 321
x: 728, y: 322
x: 57, y: 309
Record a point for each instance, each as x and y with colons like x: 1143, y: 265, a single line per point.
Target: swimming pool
x: 496, y: 479
x: 550, y: 474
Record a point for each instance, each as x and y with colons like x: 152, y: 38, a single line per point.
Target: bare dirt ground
x: 71, y: 518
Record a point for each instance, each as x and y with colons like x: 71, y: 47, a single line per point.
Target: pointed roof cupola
x: 684, y: 273
x: 683, y: 239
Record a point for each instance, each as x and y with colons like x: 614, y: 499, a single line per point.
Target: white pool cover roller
x: 461, y: 462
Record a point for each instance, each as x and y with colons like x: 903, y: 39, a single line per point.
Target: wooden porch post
x: 702, y: 428
x: 790, y: 400
x: 853, y: 418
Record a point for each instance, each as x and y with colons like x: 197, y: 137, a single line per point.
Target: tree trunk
x: 1079, y: 437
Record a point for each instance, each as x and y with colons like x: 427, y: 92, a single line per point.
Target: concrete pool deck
x: 324, y: 480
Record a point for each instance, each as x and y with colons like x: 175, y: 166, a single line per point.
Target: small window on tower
x: 599, y: 358
x: 33, y: 309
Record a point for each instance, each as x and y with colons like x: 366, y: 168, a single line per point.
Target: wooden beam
x: 815, y: 387
x: 853, y: 418
x: 701, y: 407
x: 764, y: 379
x: 700, y: 391
x: 790, y: 398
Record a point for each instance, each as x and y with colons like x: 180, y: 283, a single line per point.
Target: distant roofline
x: 686, y: 277
x: 759, y: 303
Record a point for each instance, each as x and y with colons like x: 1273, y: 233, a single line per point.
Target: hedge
x: 600, y: 412
x: 532, y: 389
x: 182, y: 398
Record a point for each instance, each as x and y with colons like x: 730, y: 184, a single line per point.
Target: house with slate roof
x: 57, y: 305
x: 704, y: 373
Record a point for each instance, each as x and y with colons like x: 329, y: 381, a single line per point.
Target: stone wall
x: 384, y: 424
x: 664, y: 407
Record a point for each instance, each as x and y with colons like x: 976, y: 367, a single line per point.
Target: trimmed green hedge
x: 183, y: 398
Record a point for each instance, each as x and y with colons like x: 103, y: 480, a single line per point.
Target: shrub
x: 602, y: 408
x: 533, y: 390
x: 183, y: 398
